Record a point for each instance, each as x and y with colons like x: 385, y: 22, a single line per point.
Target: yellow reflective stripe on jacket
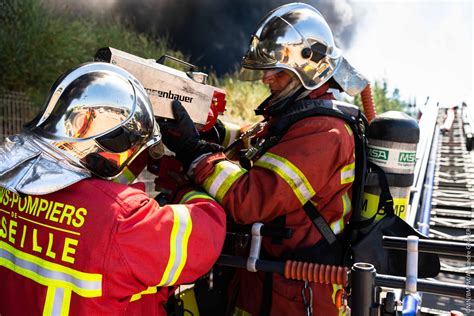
x: 182, y: 227
x: 57, y: 301
x: 232, y: 131
x: 348, y: 173
x: 240, y: 312
x: 288, y: 172
x: 338, y: 226
x: 348, y: 128
x: 150, y: 290
x: 195, y: 195
x: 224, y: 175
x: 50, y: 274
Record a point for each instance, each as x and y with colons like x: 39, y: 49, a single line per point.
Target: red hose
x: 368, y: 103
x: 313, y: 272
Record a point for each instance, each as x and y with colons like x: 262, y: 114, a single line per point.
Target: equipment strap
x: 320, y: 223
x: 385, y: 200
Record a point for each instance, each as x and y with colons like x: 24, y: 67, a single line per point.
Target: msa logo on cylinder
x: 407, y: 157
x: 378, y: 153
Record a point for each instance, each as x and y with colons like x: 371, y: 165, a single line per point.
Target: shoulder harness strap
x: 358, y: 124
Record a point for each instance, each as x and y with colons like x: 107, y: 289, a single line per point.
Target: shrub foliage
x: 37, y: 44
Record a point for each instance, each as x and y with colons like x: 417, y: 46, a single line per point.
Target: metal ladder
x: 452, y: 211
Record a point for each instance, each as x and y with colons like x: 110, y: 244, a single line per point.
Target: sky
x: 423, y: 48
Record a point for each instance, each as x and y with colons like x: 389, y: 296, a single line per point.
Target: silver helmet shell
x: 295, y: 37
x: 97, y: 116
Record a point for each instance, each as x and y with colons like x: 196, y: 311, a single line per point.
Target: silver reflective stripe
x: 348, y: 173
x: 182, y: 226
x: 224, y: 175
x: 58, y: 299
x: 290, y: 173
x: 338, y: 226
x: 51, y: 275
x: 226, y: 169
x: 231, y: 133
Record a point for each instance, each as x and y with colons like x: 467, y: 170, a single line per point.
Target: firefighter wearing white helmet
x: 296, y: 162
x: 79, y: 243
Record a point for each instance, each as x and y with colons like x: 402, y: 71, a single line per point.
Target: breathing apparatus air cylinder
x: 392, y: 140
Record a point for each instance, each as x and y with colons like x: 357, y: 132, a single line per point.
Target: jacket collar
x: 268, y: 110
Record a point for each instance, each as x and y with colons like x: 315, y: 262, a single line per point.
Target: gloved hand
x: 181, y: 136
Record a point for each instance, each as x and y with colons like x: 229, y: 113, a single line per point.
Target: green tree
x: 383, y: 99
x: 242, y: 97
x: 37, y: 44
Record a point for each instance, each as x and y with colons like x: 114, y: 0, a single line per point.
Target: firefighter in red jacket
x: 73, y: 242
x: 311, y: 163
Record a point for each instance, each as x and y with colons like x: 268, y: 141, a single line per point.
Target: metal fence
x: 15, y: 110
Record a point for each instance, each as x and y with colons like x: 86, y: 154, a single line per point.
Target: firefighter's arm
x: 284, y: 178
x: 170, y: 245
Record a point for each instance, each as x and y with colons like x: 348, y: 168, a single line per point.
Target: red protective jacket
x: 102, y: 248
x: 314, y: 161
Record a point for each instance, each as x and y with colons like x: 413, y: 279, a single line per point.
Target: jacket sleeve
x: 222, y: 133
x: 297, y: 169
x: 164, y: 246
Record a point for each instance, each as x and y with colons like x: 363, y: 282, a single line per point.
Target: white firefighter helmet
x: 97, y: 116
x: 296, y: 37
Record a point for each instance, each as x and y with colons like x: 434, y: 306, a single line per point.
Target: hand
x: 181, y: 136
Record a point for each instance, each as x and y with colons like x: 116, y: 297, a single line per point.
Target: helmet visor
x: 275, y: 45
x: 103, y: 163
x: 84, y: 109
x: 294, y: 37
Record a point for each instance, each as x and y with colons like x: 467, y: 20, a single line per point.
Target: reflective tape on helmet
x: 224, y: 175
x: 348, y: 173
x: 289, y: 173
x: 232, y: 131
x: 191, y: 195
x: 182, y: 227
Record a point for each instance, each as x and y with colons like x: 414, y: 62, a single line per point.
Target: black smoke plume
x: 214, y: 33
